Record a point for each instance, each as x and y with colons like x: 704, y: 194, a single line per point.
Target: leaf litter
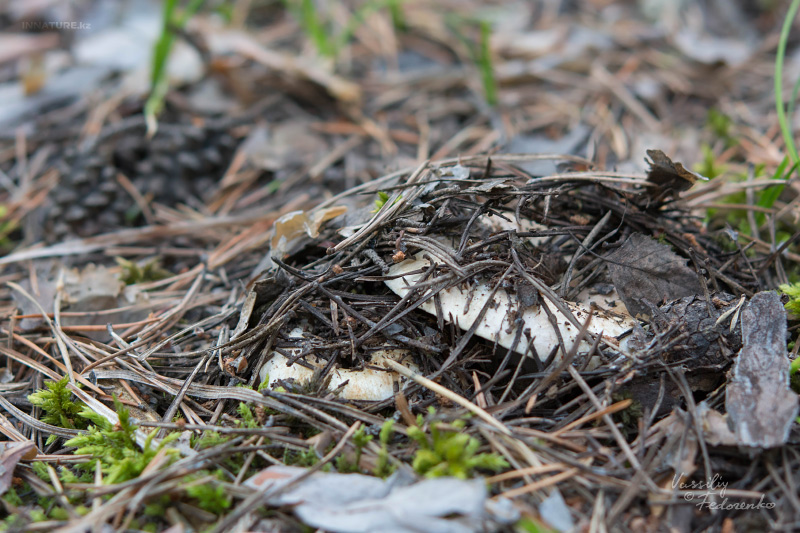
x: 562, y: 329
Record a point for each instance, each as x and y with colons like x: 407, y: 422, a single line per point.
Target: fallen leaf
x: 87, y: 290
x: 760, y: 404
x: 716, y: 430
x: 710, y: 49
x: 556, y: 512
x: 357, y: 503
x: 645, y: 271
x: 12, y: 453
x: 297, y: 225
x: 670, y: 177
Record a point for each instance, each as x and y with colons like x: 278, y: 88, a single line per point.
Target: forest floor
x: 400, y: 265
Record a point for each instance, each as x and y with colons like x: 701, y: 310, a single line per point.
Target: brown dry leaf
x: 761, y: 405
x: 716, y: 430
x: 671, y: 177
x: 297, y: 224
x: 89, y: 296
x: 12, y: 453
x: 642, y: 269
x: 678, y: 449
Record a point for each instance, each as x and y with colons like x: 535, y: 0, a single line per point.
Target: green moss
x: 209, y: 496
x: 383, y: 468
x: 132, y: 273
x: 12, y: 497
x: 528, y: 525
x: 40, y: 469
x: 793, y: 292
x: 158, y: 506
x: 6, y: 228
x: 115, y: 446
x: 709, y: 167
x: 300, y: 458
x: 450, y: 453
x: 248, y: 419
x: 14, y: 522
x: 629, y: 416
x: 209, y: 439
x: 59, y: 513
x: 720, y: 126
x: 360, y: 441
x: 59, y: 408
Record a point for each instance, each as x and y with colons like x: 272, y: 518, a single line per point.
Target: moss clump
x: 210, y: 496
x: 793, y: 292
x: 58, y: 406
x: 450, y: 453
x: 131, y: 273
x: 115, y: 445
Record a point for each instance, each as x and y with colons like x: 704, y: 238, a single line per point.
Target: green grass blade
x: 480, y: 53
x: 769, y: 195
x: 396, y: 12
x: 356, y: 20
x: 315, y: 28
x: 786, y: 129
x: 795, y: 91
x: 485, y: 64
x: 159, y: 83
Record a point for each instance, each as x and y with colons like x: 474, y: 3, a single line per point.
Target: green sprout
x: 383, y: 197
x: 450, y: 453
x: 485, y: 66
x: 396, y: 12
x: 360, y: 441
x: 383, y: 468
x: 315, y: 28
x: 264, y: 383
x: 6, y: 227
x: 479, y: 53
